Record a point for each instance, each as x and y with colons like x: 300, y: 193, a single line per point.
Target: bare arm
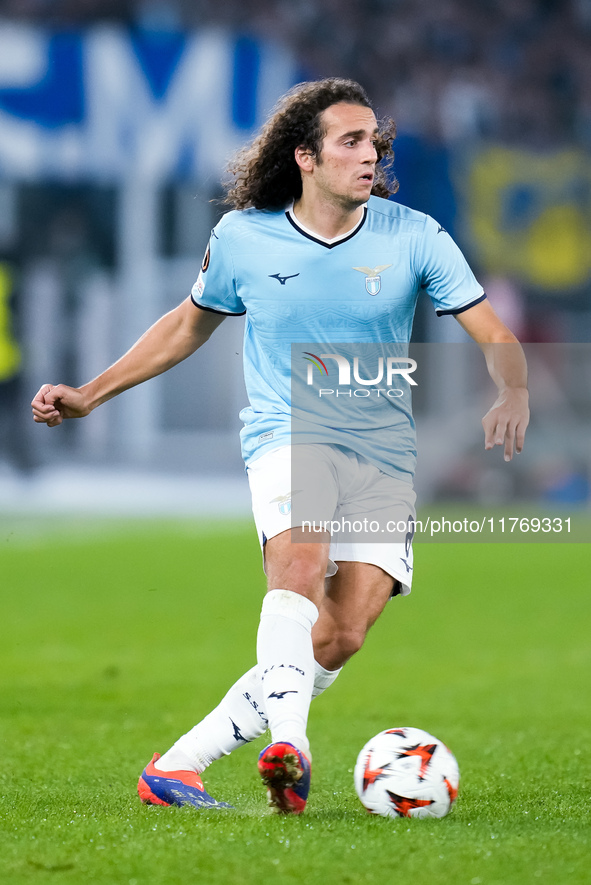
x: 506, y: 421
x: 173, y: 338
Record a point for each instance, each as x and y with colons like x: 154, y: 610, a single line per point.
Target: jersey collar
x: 335, y: 241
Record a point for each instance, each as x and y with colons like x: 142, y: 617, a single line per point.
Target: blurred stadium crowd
x: 515, y: 70
x: 493, y: 104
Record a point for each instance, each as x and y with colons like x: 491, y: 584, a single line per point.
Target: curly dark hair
x: 265, y: 174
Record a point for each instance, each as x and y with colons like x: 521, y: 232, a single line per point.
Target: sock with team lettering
x: 286, y: 664
x: 239, y: 717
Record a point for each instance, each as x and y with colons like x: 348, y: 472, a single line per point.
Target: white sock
x: 238, y: 718
x: 286, y: 663
x: 240, y: 712
x: 323, y: 679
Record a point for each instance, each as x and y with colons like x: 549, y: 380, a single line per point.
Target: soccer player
x: 312, y: 253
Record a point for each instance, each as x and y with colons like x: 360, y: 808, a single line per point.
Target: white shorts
x: 369, y: 514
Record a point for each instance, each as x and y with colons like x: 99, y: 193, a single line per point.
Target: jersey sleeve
x: 215, y: 288
x: 444, y: 273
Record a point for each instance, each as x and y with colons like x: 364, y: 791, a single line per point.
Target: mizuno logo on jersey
x: 280, y: 694
x: 373, y: 280
x: 281, y: 279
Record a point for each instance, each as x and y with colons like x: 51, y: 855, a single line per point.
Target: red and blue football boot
x: 285, y: 772
x: 174, y: 788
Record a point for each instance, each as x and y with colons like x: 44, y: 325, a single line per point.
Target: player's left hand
x: 506, y: 421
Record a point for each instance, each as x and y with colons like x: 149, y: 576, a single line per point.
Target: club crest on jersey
x: 373, y: 280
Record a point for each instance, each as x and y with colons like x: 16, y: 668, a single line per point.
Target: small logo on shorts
x: 408, y: 567
x: 408, y: 542
x: 267, y: 435
x: 284, y: 502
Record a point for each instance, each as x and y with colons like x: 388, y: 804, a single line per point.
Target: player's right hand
x: 52, y: 403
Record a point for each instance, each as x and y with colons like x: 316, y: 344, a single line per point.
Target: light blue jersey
x: 359, y: 290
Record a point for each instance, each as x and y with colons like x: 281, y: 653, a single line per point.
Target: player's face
x: 345, y: 169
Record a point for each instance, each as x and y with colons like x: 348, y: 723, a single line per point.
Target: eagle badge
x: 284, y: 502
x: 373, y: 280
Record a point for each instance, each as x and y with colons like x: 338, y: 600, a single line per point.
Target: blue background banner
x: 107, y: 102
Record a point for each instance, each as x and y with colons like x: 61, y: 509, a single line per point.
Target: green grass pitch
x: 118, y: 637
